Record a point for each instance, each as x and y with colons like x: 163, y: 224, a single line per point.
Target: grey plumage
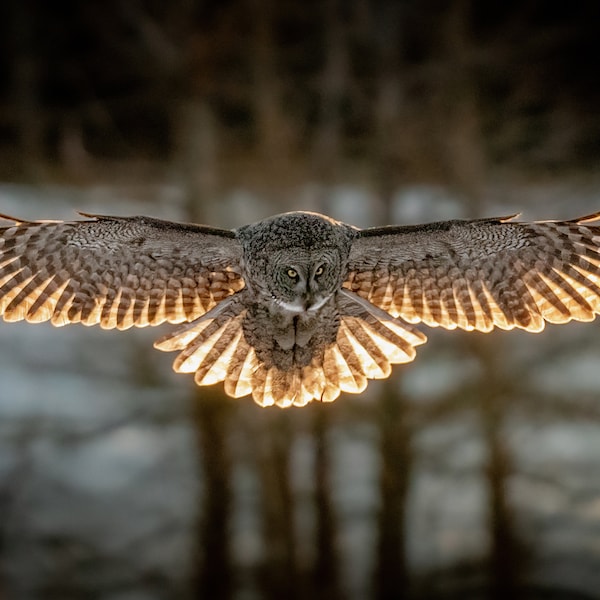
x: 299, y: 307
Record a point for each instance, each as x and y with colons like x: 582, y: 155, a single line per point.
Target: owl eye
x: 292, y: 273
x: 319, y: 271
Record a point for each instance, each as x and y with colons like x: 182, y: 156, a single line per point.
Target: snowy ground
x: 96, y: 467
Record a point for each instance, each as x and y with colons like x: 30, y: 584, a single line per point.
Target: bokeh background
x: 473, y: 472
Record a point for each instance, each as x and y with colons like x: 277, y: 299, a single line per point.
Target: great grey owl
x: 298, y: 307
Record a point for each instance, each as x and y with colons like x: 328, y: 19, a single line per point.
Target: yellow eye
x: 319, y: 271
x: 292, y: 273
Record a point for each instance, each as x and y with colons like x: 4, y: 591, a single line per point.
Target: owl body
x: 299, y: 307
x: 294, y: 265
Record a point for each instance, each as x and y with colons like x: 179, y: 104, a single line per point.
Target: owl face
x: 295, y: 262
x: 299, y: 281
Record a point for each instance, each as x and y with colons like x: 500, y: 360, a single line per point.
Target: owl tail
x: 214, y: 348
x: 368, y: 342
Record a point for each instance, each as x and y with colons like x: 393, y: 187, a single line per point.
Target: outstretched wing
x: 115, y: 271
x: 482, y: 273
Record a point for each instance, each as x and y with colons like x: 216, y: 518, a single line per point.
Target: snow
x: 98, y: 467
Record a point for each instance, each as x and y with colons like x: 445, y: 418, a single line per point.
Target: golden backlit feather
x: 477, y: 275
x: 115, y: 272
x: 239, y: 327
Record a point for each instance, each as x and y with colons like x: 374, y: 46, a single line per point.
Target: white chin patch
x: 293, y: 307
x: 298, y: 306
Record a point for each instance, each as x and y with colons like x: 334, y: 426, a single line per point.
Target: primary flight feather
x: 298, y: 307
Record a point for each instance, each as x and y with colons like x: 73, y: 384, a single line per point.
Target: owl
x: 298, y: 307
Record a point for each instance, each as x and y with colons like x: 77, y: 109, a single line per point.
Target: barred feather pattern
x: 299, y: 307
x: 477, y: 275
x: 115, y: 272
x: 215, y: 349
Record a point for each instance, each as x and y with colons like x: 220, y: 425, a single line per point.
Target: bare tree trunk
x: 273, y: 127
x: 196, y: 160
x: 25, y: 84
x: 327, y: 148
x: 391, y: 571
x: 325, y: 575
x: 391, y: 575
x: 461, y: 137
x: 213, y: 573
x: 5, y: 505
x: 465, y: 154
x: 279, y: 573
x: 505, y: 550
x: 388, y: 141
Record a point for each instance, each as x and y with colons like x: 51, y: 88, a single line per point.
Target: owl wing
x: 481, y: 274
x: 115, y: 271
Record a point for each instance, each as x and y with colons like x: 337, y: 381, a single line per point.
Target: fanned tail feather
x: 214, y: 348
x: 365, y: 348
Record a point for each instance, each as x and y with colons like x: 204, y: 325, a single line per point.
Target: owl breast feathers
x: 298, y: 307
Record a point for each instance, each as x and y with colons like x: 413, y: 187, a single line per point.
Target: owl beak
x: 312, y: 303
x: 308, y: 300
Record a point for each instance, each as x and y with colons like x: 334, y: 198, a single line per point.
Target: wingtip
x: 15, y: 220
x: 91, y: 215
x: 19, y: 221
x: 586, y: 219
x: 97, y: 217
x: 509, y: 217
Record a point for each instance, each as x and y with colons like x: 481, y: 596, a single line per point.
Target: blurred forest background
x: 472, y: 473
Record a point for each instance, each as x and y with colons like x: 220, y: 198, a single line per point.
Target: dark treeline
x: 317, y: 87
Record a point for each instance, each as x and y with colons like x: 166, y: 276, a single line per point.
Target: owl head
x: 297, y: 259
